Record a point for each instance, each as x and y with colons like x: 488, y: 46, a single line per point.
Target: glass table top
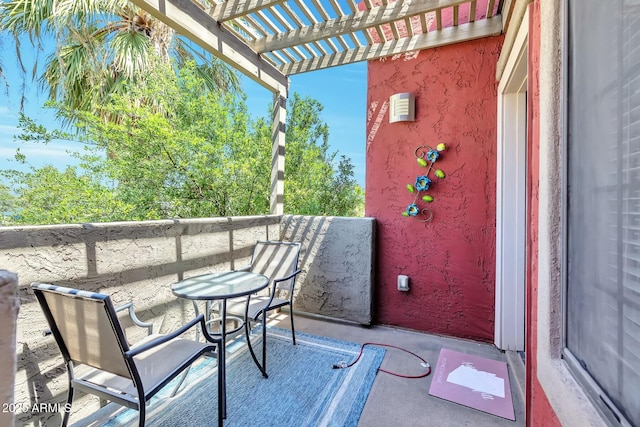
x: 220, y: 285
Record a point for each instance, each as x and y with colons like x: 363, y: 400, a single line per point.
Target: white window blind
x: 603, y: 203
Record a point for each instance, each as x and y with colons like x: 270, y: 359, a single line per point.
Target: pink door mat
x: 473, y: 381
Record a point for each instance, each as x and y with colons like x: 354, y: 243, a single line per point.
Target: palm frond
x: 218, y: 74
x: 83, y: 9
x: 101, y: 47
x: 131, y: 53
x: 26, y: 17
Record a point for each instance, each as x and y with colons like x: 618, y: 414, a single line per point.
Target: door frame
x: 511, y: 197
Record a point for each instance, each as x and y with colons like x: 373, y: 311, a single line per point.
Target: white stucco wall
x: 337, y: 262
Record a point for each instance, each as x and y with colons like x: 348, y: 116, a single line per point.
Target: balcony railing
x: 137, y: 261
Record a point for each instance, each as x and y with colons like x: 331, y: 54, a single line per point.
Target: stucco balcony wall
x: 137, y: 261
x: 9, y: 306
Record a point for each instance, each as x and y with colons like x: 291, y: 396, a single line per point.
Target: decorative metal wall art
x: 426, y: 157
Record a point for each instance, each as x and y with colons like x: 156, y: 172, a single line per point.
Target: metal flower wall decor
x: 426, y: 157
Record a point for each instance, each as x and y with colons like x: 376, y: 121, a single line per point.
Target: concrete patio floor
x: 396, y: 401
x: 402, y: 402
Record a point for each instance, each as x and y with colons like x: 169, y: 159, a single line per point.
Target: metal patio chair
x: 88, y: 332
x: 279, y: 262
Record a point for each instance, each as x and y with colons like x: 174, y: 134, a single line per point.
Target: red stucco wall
x: 538, y: 411
x: 451, y: 260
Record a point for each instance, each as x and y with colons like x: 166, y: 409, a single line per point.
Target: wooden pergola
x: 269, y: 40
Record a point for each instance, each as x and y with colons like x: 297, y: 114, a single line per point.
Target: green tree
x: 201, y: 156
x: 48, y: 196
x: 314, y: 184
x: 7, y: 204
x: 188, y: 161
x: 102, y: 46
x: 344, y: 196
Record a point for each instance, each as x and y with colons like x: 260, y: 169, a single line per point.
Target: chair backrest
x: 276, y: 260
x: 85, y: 326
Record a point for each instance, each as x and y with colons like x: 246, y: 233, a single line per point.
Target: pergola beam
x: 278, y: 120
x: 194, y: 23
x: 358, y: 21
x: 464, y: 32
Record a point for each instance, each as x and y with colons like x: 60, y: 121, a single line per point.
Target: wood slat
x: 307, y: 13
x: 301, y: 54
x: 490, y: 7
x: 270, y: 60
x: 394, y: 31
x: 321, y: 48
x: 353, y: 7
x: 231, y: 9
x: 256, y: 25
x: 344, y: 44
x: 281, y: 19
x: 291, y: 14
x: 361, y: 20
x: 336, y: 7
x: 332, y: 44
x: 463, y: 32
x: 354, y: 39
x: 472, y: 11
x: 367, y: 36
x: 249, y: 28
x: 407, y: 23
x: 267, y: 21
x: 240, y: 30
x: 313, y: 50
x: 323, y: 13
x: 290, y: 58
x: 423, y: 23
x: 279, y: 57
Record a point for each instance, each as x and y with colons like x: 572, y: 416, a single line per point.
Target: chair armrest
x: 168, y: 337
x: 273, y: 291
x: 290, y: 276
x: 134, y: 317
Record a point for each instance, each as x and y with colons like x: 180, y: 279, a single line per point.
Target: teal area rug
x: 303, y: 389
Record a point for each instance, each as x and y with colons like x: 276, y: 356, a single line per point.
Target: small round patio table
x: 221, y: 287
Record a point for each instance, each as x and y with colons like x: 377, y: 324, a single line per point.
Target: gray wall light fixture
x: 402, y: 107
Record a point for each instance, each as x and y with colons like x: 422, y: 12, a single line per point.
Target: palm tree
x: 101, y: 46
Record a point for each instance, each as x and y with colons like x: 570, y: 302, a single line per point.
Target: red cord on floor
x: 424, y: 363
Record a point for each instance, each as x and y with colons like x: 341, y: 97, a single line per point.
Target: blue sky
x: 341, y: 91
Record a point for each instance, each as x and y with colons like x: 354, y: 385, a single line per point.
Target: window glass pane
x: 603, y: 218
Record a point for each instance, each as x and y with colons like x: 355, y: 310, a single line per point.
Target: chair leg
x: 293, y: 330
x: 141, y: 413
x: 142, y: 403
x: 253, y: 354
x: 264, y: 342
x: 221, y: 368
x: 67, y: 407
x: 182, y: 378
